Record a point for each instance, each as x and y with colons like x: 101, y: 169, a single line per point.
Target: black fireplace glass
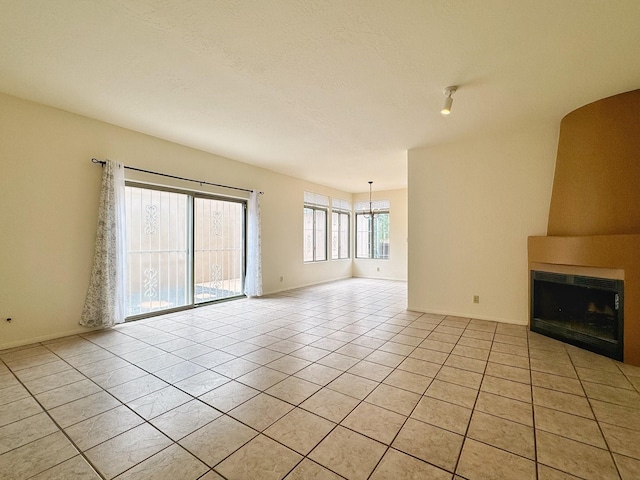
x: 584, y: 311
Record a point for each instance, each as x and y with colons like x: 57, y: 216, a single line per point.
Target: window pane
x: 363, y: 236
x: 157, y: 250
x: 308, y: 235
x: 321, y: 235
x: 219, y: 249
x: 335, y: 235
x: 381, y: 236
x: 344, y: 235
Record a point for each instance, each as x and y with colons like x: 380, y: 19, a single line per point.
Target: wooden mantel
x: 621, y: 252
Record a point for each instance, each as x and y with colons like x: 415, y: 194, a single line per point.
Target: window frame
x: 192, y: 195
x: 372, y: 252
x: 314, y: 236
x: 341, y: 214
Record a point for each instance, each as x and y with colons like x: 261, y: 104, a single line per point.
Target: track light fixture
x: 448, y: 101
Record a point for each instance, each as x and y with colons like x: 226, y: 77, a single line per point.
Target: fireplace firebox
x: 584, y: 311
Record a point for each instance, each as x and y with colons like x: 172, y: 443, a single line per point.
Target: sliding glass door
x: 219, y: 249
x: 183, y: 249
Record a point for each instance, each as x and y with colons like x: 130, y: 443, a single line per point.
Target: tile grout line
x: 170, y: 383
x: 261, y: 391
x: 223, y: 413
x: 389, y: 446
x: 144, y: 421
x: 60, y: 429
x: 473, y: 409
x: 533, y: 410
x: 360, y: 401
x: 125, y: 404
x: 306, y: 456
x: 604, y: 438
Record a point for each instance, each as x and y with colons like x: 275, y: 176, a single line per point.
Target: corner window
x: 315, y: 227
x: 372, y: 230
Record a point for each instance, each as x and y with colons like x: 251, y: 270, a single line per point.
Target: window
x: 183, y: 249
x: 340, y: 229
x: 372, y: 230
x: 315, y: 227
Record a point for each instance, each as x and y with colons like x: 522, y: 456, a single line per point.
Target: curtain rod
x: 201, y: 182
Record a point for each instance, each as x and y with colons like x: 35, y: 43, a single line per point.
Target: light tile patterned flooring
x: 326, y: 382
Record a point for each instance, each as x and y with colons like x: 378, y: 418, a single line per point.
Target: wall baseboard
x: 465, y: 315
x: 381, y: 278
x: 45, y: 338
x: 273, y: 292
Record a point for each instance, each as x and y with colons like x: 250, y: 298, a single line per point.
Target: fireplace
x: 583, y: 311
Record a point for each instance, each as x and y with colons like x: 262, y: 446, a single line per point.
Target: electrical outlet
x: 476, y: 299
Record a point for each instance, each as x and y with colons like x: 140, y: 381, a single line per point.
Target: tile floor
x: 327, y: 382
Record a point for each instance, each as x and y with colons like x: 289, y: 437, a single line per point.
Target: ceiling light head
x: 448, y: 101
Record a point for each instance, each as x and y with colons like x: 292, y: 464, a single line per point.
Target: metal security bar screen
x: 158, y: 250
x: 219, y: 249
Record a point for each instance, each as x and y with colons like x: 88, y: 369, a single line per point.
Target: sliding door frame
x: 192, y: 195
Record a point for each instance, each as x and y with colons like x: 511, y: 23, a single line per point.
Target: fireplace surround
x: 593, y: 220
x: 601, y: 256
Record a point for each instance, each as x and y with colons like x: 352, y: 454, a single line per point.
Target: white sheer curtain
x: 105, y: 303
x: 253, y: 280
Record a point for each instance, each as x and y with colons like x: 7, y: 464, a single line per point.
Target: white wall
x: 472, y: 206
x: 49, y: 193
x: 395, y: 268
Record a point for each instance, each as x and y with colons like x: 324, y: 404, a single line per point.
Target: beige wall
x: 395, y: 268
x: 472, y: 206
x: 49, y: 193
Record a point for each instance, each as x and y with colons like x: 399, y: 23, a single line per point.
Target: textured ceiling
x: 332, y: 91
